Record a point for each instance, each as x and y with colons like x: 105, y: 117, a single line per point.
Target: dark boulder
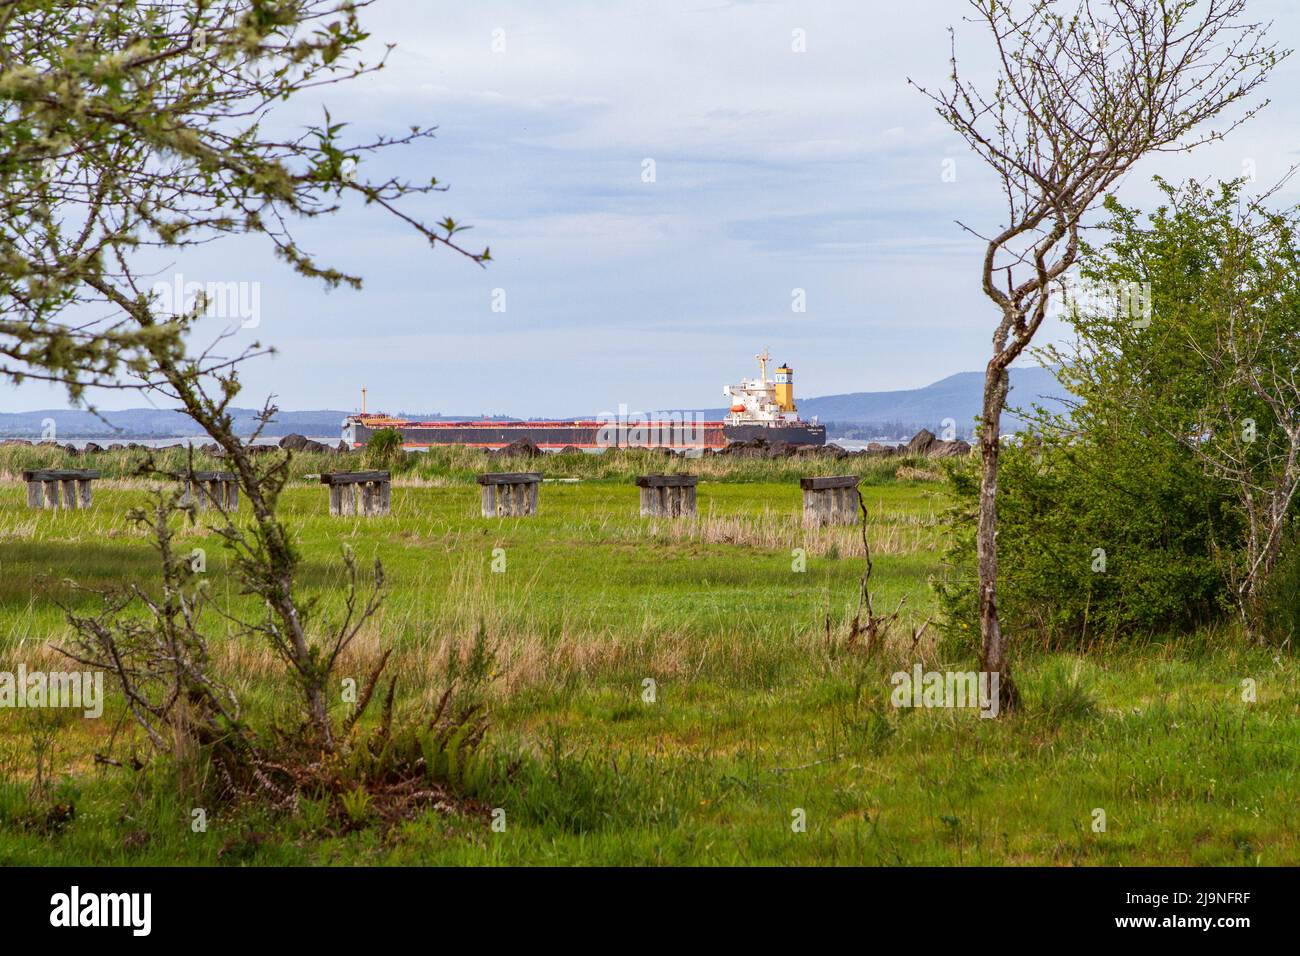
x: 519, y: 448
x: 296, y: 442
x: 751, y: 448
x: 921, y: 443
x: 949, y: 449
x: 924, y: 443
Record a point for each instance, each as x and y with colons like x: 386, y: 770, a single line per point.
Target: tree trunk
x: 993, y: 658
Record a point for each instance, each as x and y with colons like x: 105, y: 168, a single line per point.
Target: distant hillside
x: 857, y: 414
x: 957, y: 397
x: 155, y: 423
x: 901, y: 414
x: 164, y: 423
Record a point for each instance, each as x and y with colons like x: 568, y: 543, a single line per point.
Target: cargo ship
x: 762, y: 407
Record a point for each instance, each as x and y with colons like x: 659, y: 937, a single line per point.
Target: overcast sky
x: 775, y: 170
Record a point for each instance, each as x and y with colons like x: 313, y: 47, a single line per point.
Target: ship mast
x: 763, y: 358
x: 363, y: 399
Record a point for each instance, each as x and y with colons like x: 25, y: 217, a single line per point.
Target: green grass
x: 757, y: 714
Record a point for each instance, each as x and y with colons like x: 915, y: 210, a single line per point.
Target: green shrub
x: 1062, y: 694
x: 1096, y: 541
x: 1279, y: 600
x: 1116, y: 518
x: 384, y: 449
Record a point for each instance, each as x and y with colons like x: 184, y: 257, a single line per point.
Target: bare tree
x: 1083, y: 89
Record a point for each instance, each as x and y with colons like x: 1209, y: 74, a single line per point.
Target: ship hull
x: 553, y: 436
x: 799, y: 433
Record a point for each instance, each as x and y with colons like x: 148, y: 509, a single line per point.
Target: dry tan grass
x: 36, y: 655
x: 89, y: 526
x: 524, y: 659
x: 908, y: 473
x: 16, y: 478
x: 781, y: 531
x: 438, y: 481
x: 527, y: 656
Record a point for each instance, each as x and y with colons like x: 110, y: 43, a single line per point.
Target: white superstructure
x: 762, y: 399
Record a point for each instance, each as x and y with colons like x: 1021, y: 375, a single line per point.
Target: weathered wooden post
x: 370, y: 498
x: 53, y: 488
x: 366, y: 493
x: 509, y: 494
x: 343, y: 499
x: 217, y: 488
x: 83, y: 493
x: 830, y: 500
x: 667, y: 496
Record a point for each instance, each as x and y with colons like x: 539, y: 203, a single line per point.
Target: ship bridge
x: 763, y: 400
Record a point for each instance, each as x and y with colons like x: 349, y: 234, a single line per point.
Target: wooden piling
x: 216, y: 489
x: 364, y: 493
x: 667, y: 496
x: 509, y: 494
x: 59, y: 488
x: 830, y: 500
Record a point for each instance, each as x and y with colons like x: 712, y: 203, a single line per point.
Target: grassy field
x: 761, y: 715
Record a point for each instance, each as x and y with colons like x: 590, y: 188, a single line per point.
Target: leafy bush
x: 1095, y: 541
x: 1142, y: 508
x: 1279, y: 603
x: 384, y: 449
